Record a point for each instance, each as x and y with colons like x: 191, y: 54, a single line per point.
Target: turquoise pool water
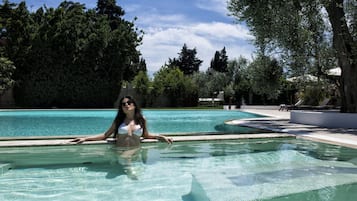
x: 83, y: 122
x: 265, y: 169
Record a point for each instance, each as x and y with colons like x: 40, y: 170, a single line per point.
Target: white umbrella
x: 334, y: 71
x: 307, y: 77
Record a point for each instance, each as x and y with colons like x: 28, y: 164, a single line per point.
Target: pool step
x: 4, y: 167
x: 197, y: 192
x: 279, y: 178
x: 353, y: 160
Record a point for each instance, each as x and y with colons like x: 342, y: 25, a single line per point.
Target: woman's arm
x: 96, y: 137
x: 146, y: 135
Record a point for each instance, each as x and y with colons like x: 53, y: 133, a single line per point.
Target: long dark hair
x: 138, y: 117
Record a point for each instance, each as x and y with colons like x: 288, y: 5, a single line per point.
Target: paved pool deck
x: 279, y: 122
x: 276, y: 122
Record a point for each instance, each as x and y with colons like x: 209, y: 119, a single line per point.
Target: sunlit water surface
x: 83, y: 122
x: 277, y: 169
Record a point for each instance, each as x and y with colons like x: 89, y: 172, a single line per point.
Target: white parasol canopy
x: 303, y: 78
x: 334, y: 71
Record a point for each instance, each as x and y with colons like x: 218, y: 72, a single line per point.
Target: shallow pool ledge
x: 66, y: 142
x: 327, y: 119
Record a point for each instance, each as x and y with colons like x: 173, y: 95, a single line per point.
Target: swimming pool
x: 262, y: 169
x: 17, y: 123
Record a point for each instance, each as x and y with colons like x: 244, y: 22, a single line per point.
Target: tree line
x: 307, y: 37
x: 71, y: 56
x: 181, y: 81
x: 68, y: 56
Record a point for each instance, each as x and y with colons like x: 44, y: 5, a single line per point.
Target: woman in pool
x: 128, y: 126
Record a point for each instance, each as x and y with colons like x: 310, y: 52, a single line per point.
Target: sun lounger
x: 322, y: 106
x: 290, y: 107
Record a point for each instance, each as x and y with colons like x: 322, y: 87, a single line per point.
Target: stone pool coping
x: 42, y: 141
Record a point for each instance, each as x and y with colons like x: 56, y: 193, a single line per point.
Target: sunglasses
x: 129, y: 102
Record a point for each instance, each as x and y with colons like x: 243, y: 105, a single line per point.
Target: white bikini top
x: 123, y: 129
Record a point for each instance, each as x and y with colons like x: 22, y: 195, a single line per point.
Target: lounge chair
x: 323, y: 105
x: 290, y: 107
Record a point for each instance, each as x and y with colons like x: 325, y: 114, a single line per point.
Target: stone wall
x: 327, y: 119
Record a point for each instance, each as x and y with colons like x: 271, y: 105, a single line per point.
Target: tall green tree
x: 235, y: 82
x: 220, y: 61
x: 201, y: 79
x: 142, y: 85
x: 127, y: 39
x: 112, y: 11
x: 295, y: 30
x: 172, y: 82
x: 7, y: 69
x: 187, y: 61
x: 215, y: 82
x: 265, y: 76
x: 237, y: 68
x: 17, y: 29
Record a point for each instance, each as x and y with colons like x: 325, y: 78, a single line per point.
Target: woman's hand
x: 165, y: 139
x: 79, y: 140
x: 131, y: 128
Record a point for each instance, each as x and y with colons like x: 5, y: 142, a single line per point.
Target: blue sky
x: 168, y: 24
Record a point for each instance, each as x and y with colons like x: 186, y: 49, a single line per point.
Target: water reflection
x: 127, y: 161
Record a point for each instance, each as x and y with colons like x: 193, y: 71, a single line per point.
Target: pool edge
x: 65, y: 141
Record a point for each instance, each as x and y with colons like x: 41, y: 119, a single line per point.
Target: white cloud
x: 221, y: 30
x: 155, y: 20
x: 218, y: 6
x: 166, y: 30
x: 159, y: 44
